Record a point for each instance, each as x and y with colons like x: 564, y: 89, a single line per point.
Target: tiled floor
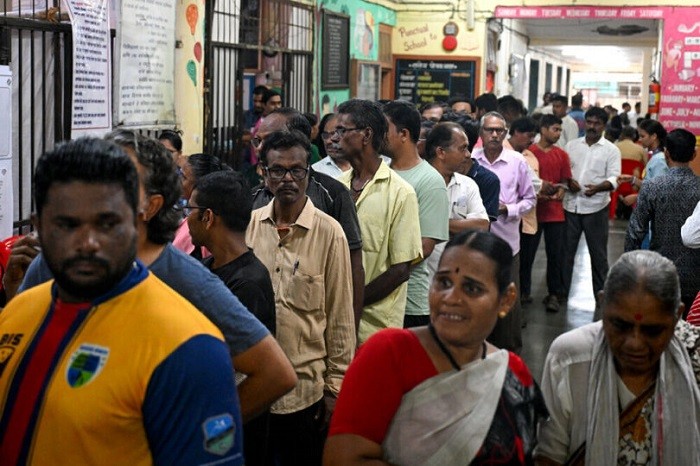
x: 543, y: 327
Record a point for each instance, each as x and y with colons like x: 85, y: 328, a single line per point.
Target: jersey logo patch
x: 85, y: 364
x: 219, y: 434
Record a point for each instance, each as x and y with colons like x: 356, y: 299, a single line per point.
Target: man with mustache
x: 595, y: 166
x: 327, y: 194
x: 517, y: 196
x: 107, y: 364
x: 249, y: 342
x: 308, y: 258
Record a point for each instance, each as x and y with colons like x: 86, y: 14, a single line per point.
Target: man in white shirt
x: 446, y: 148
x: 333, y: 164
x: 690, y: 231
x: 595, y: 166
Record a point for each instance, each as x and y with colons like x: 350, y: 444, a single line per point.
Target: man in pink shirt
x: 517, y: 197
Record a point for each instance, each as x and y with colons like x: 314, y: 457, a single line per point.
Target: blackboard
x: 422, y: 80
x: 335, y: 49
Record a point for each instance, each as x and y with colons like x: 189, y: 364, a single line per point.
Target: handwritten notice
x: 92, y: 67
x: 145, y: 94
x: 415, y: 38
x: 335, y: 50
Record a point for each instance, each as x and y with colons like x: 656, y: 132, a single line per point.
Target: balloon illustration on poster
x: 192, y: 71
x: 198, y: 51
x: 192, y: 14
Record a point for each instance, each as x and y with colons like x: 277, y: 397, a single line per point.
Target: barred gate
x: 36, y: 42
x: 240, y: 34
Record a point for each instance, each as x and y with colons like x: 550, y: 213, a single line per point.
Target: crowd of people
x: 363, y: 302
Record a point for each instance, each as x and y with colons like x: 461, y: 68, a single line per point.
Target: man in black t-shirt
x: 218, y: 215
x: 219, y: 225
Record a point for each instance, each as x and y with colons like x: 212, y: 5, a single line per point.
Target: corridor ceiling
x: 583, y: 46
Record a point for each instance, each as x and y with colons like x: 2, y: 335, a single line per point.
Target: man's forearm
x: 269, y: 375
x: 358, y: 284
x: 384, y: 284
x: 459, y: 225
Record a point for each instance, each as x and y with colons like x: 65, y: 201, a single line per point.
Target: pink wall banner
x: 579, y: 12
x: 679, y: 105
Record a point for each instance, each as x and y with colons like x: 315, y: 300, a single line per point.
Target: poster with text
x: 146, y: 64
x: 679, y: 105
x: 92, y: 68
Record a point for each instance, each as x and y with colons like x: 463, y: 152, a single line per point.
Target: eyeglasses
x: 498, y: 131
x: 340, y: 131
x: 277, y: 173
x: 327, y: 134
x: 187, y: 209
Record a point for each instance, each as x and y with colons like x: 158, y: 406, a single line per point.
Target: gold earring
x: 502, y: 314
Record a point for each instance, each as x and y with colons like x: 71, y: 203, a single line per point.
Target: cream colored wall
x: 189, y: 75
x: 420, y: 33
x: 472, y: 43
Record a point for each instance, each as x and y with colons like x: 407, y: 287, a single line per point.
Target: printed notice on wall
x: 146, y: 54
x: 92, y: 67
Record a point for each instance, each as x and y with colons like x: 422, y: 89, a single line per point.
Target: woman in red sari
x: 441, y: 395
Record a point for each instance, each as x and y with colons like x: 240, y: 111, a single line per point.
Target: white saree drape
x: 445, y: 419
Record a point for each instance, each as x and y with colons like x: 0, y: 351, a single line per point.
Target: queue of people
x: 364, y: 305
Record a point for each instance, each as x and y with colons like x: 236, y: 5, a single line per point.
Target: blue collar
x: 136, y: 275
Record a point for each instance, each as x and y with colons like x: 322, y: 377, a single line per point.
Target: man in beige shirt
x: 308, y: 258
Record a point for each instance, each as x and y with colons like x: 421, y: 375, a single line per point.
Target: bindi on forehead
x: 638, y: 317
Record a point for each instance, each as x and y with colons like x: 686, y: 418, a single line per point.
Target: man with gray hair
x: 517, y: 197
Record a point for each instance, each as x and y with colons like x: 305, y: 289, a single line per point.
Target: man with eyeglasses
x: 328, y: 195
x: 517, y: 196
x: 220, y: 225
x: 308, y: 258
x: 333, y: 164
x: 387, y: 207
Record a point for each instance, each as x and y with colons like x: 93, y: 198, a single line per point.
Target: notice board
x: 335, y: 49
x: 422, y: 80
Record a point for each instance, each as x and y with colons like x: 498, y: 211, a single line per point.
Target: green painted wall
x: 364, y: 43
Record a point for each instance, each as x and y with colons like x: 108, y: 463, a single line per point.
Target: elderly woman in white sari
x: 441, y: 395
x: 623, y: 391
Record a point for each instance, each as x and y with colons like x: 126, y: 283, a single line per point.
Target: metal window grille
x: 247, y: 35
x: 36, y: 42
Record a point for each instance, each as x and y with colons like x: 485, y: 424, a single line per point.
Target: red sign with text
x: 680, y: 56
